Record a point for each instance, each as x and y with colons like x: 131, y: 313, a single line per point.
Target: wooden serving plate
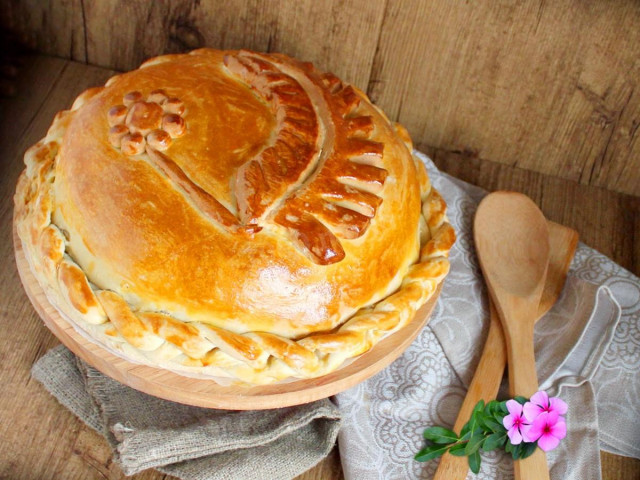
x: 207, y: 393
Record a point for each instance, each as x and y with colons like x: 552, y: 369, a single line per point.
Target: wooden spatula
x: 512, y: 242
x: 486, y: 380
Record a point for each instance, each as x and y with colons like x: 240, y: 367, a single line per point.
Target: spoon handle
x: 532, y: 468
x: 523, y: 380
x: 484, y: 386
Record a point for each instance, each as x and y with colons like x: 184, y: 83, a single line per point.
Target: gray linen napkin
x: 587, y: 352
x: 189, y: 442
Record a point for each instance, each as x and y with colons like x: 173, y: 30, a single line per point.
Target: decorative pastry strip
x: 265, y: 179
x: 341, y: 198
x: 311, y: 236
x: 183, y: 335
x: 127, y: 323
x: 344, y: 201
x: 139, y: 122
x: 206, y: 203
x: 77, y: 292
x: 51, y: 249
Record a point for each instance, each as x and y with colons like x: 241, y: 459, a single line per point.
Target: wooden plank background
x: 549, y: 87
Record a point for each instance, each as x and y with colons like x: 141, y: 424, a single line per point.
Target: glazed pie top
x: 231, y: 214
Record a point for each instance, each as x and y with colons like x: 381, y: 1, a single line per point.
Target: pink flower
x: 516, y: 423
x: 540, y: 402
x: 548, y: 429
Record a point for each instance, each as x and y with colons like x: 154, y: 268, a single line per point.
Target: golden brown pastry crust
x: 232, y: 213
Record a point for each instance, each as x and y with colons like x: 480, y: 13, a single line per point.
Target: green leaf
x: 440, y: 435
x: 465, y: 430
x: 474, y: 429
x: 478, y: 408
x: 430, y: 452
x: 527, y: 449
x: 498, y: 416
x: 474, y: 462
x: 473, y: 422
x: 491, y: 408
x: 475, y: 442
x: 457, y: 450
x: 486, y: 421
x: 520, y: 399
x: 480, y: 424
x: 503, y: 408
x: 494, y: 441
x: 516, y: 453
x: 494, y: 426
x: 508, y: 447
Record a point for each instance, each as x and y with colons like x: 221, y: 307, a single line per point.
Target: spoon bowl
x: 513, y: 236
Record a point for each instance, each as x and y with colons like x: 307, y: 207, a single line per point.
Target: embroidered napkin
x: 188, y: 442
x: 587, y: 351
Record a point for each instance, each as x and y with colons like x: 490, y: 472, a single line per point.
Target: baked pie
x: 231, y: 214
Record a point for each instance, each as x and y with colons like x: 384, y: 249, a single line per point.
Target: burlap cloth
x: 189, y: 442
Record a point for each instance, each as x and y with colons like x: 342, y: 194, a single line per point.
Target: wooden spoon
x: 512, y: 242
x: 488, y: 375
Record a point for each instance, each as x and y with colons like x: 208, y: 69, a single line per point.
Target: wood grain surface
x: 42, y: 440
x: 551, y: 87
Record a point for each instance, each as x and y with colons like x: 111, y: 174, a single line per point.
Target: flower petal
x: 540, y: 398
x: 559, y: 430
x: 558, y: 405
x: 536, y: 428
x: 548, y: 442
x: 514, y: 407
x: 508, y: 421
x: 514, y: 436
x: 552, y: 417
x: 526, y: 436
x: 531, y: 411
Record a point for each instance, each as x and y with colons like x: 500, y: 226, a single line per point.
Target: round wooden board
x: 207, y: 393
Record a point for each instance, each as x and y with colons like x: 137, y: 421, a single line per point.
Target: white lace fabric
x: 587, y: 352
